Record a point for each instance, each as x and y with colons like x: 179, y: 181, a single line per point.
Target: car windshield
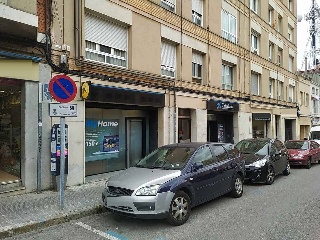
x: 303, y: 145
x: 167, y: 158
x: 315, y: 135
x: 255, y: 146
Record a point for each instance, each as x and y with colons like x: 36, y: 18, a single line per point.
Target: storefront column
x: 242, y: 123
x: 166, y: 126
x: 198, y: 125
x: 29, y: 138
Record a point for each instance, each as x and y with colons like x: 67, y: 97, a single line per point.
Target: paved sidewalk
x: 26, y: 212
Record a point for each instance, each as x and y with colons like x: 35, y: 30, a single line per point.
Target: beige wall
x: 145, y: 52
x: 29, y: 6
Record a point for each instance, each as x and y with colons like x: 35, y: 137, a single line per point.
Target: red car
x: 303, y: 152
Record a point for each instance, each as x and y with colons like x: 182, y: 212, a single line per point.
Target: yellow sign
x: 85, y: 90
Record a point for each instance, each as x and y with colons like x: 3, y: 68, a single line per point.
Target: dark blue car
x: 168, y: 182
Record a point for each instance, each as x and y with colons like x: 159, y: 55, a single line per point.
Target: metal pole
x: 39, y: 139
x: 62, y: 160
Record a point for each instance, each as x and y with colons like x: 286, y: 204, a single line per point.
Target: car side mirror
x: 196, y: 166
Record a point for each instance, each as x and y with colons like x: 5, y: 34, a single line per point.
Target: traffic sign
x: 63, y: 110
x: 62, y: 88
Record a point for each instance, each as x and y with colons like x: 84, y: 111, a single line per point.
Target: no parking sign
x: 62, y: 88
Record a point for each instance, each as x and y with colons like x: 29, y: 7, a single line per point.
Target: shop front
x: 10, y: 132
x: 121, y: 127
x: 260, y: 125
x: 220, y: 120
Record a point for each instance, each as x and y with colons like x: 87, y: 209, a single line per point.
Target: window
x: 271, y: 15
x: 197, y: 8
x: 280, y: 90
x: 227, y: 77
x: 279, y: 23
x: 105, y: 41
x: 197, y: 66
x: 255, y: 84
x: 271, y: 87
x: 307, y: 99
x: 204, y: 156
x: 301, y: 98
x: 280, y: 56
x: 271, y: 50
x: 168, y: 59
x: 220, y: 153
x: 290, y: 33
x: 254, y: 5
x: 290, y: 64
x: 255, y: 42
x: 229, y: 26
x: 291, y: 90
x: 169, y: 5
x: 290, y: 5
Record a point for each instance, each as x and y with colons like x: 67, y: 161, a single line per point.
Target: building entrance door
x: 134, y: 140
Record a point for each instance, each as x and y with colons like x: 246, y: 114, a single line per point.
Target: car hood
x: 297, y: 152
x: 134, y: 177
x: 250, y: 158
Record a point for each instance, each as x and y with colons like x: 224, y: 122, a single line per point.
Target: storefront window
x: 184, y: 125
x: 10, y: 130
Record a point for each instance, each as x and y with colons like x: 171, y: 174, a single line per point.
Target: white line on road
x: 100, y: 233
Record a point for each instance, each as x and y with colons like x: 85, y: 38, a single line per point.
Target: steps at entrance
x: 11, y: 186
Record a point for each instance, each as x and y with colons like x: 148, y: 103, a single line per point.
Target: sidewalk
x: 30, y: 211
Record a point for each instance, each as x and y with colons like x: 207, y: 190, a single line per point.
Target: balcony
x: 19, y: 20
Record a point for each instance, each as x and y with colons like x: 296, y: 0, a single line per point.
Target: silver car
x: 168, y: 182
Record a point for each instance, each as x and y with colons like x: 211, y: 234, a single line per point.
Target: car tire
x: 180, y: 209
x: 237, y: 187
x: 308, y: 166
x: 270, y: 176
x: 286, y: 172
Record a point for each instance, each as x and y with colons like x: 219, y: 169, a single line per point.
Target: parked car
x: 315, y: 134
x: 265, y: 159
x: 303, y: 152
x: 171, y: 180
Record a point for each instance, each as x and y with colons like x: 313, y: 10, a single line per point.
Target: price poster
x: 101, y: 139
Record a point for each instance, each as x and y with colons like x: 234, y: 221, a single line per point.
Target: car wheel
x: 180, y: 209
x: 308, y: 166
x: 270, y: 176
x: 237, y: 187
x: 286, y: 172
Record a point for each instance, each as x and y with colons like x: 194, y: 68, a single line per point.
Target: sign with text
x: 102, y: 139
x: 63, y: 110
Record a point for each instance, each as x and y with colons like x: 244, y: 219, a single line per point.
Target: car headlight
x: 259, y: 163
x: 106, y: 184
x: 148, y: 191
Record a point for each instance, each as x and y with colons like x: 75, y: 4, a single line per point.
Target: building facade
x: 166, y: 71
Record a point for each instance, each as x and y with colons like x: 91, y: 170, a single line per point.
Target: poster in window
x: 220, y: 133
x: 101, y: 139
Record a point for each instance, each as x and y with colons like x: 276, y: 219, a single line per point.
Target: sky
x: 303, y: 6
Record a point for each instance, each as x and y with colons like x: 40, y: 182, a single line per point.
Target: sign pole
x: 62, y: 160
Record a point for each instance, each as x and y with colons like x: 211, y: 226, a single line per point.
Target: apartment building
x: 151, y: 73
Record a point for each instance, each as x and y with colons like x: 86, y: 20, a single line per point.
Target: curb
x: 51, y: 222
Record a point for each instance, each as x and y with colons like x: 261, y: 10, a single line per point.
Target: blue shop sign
x: 219, y: 105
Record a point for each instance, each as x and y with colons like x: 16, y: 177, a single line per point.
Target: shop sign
x: 219, y: 105
x: 101, y: 139
x: 261, y: 116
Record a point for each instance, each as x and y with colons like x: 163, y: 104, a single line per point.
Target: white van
x: 315, y: 134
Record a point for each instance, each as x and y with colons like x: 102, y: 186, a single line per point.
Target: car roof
x: 195, y: 144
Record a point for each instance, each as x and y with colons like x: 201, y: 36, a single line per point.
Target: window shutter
x: 197, y: 6
x: 168, y: 54
x: 104, y: 32
x: 197, y: 58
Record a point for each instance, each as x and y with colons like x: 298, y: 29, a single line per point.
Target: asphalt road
x: 288, y: 209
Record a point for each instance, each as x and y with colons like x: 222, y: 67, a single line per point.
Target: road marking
x: 98, y: 232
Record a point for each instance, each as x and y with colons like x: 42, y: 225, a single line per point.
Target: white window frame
x: 271, y: 15
x: 168, y: 66
x: 280, y: 90
x: 197, y: 12
x: 290, y: 33
x: 271, y: 87
x: 291, y: 93
x: 280, y: 56
x: 258, y: 83
x: 197, y: 64
x: 169, y: 5
x: 271, y: 51
x: 279, y: 26
x: 227, y: 33
x: 290, y: 5
x: 290, y: 64
x: 227, y: 83
x: 255, y: 42
x: 254, y: 5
